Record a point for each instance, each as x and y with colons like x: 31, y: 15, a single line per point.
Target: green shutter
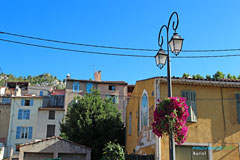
x: 194, y: 106
x: 238, y: 107
x: 191, y: 103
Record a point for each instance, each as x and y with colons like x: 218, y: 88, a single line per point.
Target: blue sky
x: 136, y: 23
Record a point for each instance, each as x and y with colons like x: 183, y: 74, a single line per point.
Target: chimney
x: 68, y: 76
x: 18, y: 91
x: 97, y: 76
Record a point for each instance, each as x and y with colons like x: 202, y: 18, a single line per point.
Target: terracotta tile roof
x: 229, y: 83
x: 106, y: 82
x: 58, y: 92
x: 50, y: 138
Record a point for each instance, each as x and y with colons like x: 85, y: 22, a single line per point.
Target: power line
x: 80, y: 44
x: 113, y: 54
x: 73, y: 50
x: 114, y: 47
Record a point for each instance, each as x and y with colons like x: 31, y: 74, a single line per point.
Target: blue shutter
x: 77, y: 87
x: 29, y: 132
x: 116, y: 99
x: 31, y: 102
x: 20, y: 111
x: 28, y: 114
x: 22, y: 102
x: 89, y: 86
x: 18, y: 132
x: 238, y: 107
x: 41, y: 93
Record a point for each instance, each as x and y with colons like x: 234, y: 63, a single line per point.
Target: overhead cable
x: 114, y: 47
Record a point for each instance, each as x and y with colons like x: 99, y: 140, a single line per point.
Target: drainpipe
x: 224, y: 121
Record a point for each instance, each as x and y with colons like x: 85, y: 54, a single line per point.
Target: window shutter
x: 31, y: 102
x: 18, y: 132
x: 20, y: 113
x: 193, y: 106
x: 27, y: 114
x: 89, y: 86
x: 29, y: 132
x: 187, y: 96
x: 116, y: 99
x: 41, y: 93
x: 73, y: 86
x: 238, y: 107
x: 22, y: 102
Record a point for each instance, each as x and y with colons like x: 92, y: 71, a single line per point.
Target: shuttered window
x: 23, y: 114
x: 191, y: 103
x: 24, y: 132
x: 75, y: 86
x: 50, y: 130
x: 238, y: 107
x: 27, y: 102
x: 89, y: 87
x: 51, y: 115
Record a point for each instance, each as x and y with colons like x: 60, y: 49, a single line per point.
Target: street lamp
x: 161, y: 57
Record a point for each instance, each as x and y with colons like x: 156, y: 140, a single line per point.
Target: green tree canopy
x: 93, y: 121
x: 113, y: 151
x: 218, y: 75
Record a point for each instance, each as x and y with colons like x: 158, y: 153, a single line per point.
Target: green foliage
x: 185, y: 75
x: 208, y: 77
x: 93, y: 121
x: 218, y: 75
x: 34, y: 80
x: 199, y: 76
x: 113, y: 151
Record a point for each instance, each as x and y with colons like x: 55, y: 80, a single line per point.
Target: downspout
x: 157, y: 139
x: 224, y: 120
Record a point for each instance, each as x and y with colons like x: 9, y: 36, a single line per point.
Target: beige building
x: 5, y: 108
x: 117, y: 90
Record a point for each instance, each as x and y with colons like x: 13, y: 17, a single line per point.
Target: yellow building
x: 213, y: 124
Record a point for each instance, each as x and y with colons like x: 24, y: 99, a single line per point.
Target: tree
x: 93, y: 121
x: 199, y: 76
x: 208, y: 77
x: 185, y: 75
x: 218, y: 75
x: 113, y: 151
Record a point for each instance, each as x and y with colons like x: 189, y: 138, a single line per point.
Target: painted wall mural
x: 145, y: 137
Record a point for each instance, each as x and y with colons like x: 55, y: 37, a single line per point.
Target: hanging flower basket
x: 170, y: 116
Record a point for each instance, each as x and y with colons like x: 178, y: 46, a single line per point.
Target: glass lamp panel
x: 162, y: 59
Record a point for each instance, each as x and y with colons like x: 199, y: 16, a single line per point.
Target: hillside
x: 44, y: 80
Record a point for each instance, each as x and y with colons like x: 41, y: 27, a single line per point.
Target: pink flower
x: 171, y: 115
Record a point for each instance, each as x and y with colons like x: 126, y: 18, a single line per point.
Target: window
x: 41, y: 93
x: 114, y: 98
x: 130, y: 123
x: 238, y: 107
x: 191, y: 103
x: 51, y: 115
x: 17, y: 147
x: 23, y: 114
x: 75, y: 86
x: 27, y: 102
x: 24, y: 132
x: 6, y: 100
x: 50, y: 130
x: 89, y: 87
x: 112, y: 88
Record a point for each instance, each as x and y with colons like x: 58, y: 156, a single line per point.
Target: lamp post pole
x: 176, y: 46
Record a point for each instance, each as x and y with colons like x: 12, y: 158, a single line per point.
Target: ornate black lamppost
x: 176, y: 46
